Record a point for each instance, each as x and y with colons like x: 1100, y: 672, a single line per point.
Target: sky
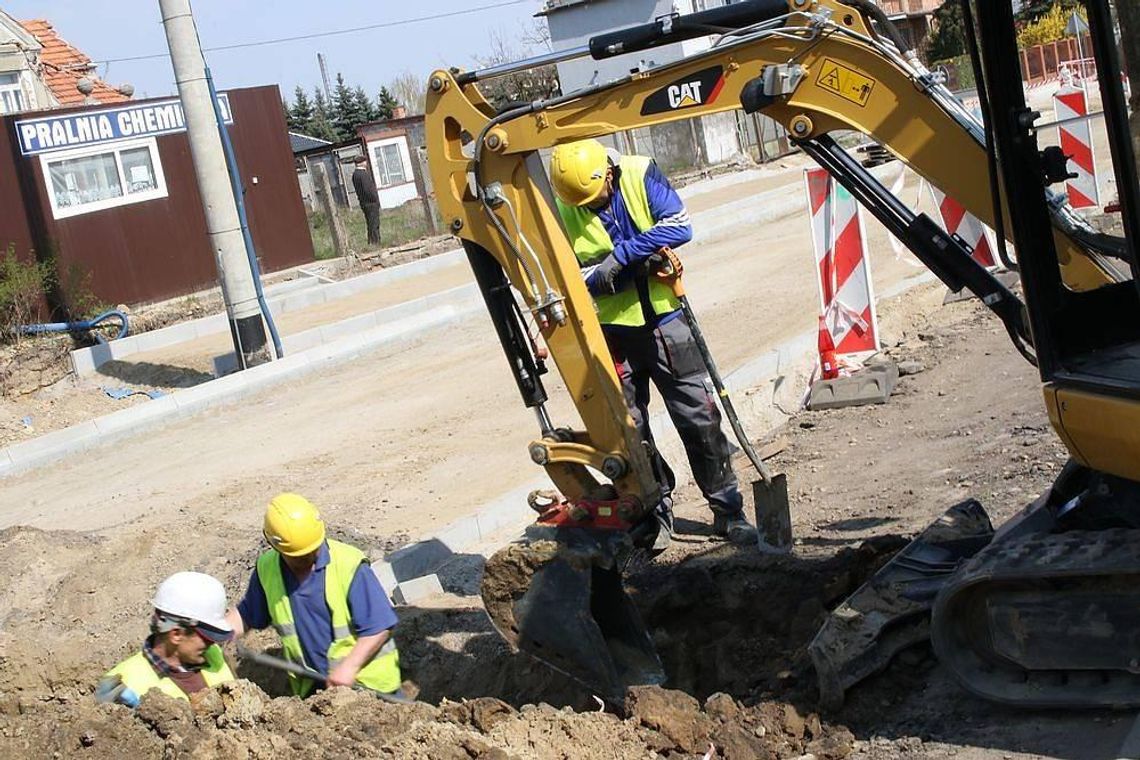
x: 114, y: 29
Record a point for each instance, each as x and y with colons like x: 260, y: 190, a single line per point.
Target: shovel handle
x: 269, y: 661
x: 722, y: 392
x: 666, y: 266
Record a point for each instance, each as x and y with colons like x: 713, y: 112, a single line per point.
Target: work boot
x: 735, y: 528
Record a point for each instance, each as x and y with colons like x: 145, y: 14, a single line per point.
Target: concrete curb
x: 282, y: 298
x: 434, y: 312
x: 294, y: 295
x: 461, y: 296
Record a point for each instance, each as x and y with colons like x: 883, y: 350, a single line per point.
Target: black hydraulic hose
x: 991, y: 151
x: 677, y: 28
x: 885, y: 23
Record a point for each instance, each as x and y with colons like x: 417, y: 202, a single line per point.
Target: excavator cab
x: 1018, y: 613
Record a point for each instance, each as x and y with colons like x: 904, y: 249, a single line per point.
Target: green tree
x: 321, y: 126
x: 301, y: 112
x: 366, y: 109
x: 344, y: 110
x: 386, y: 103
x: 1031, y: 10
x: 948, y: 40
x: 1048, y: 26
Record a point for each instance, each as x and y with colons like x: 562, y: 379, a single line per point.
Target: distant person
x: 181, y: 656
x: 368, y: 198
x: 323, y: 600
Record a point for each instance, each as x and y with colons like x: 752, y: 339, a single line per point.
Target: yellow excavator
x: 1040, y: 612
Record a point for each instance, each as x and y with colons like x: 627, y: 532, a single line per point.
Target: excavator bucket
x: 557, y: 595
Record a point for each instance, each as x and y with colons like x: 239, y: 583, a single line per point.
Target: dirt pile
x: 239, y: 720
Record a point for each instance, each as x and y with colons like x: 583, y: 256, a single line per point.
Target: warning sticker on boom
x: 845, y: 82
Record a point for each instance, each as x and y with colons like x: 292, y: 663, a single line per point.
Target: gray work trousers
x: 669, y: 357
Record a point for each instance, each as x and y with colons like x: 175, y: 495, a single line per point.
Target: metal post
x: 222, y: 221
x: 419, y: 173
x: 323, y: 190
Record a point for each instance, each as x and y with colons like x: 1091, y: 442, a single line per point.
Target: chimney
x: 399, y: 112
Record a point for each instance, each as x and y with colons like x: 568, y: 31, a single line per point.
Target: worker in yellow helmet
x: 619, y: 211
x: 181, y: 656
x: 323, y: 600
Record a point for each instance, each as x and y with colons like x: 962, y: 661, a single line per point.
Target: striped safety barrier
x: 847, y: 303
x: 1070, y: 102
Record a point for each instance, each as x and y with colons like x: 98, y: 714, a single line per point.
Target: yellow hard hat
x: 293, y: 526
x: 578, y: 171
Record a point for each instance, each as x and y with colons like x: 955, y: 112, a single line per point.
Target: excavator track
x: 1046, y: 620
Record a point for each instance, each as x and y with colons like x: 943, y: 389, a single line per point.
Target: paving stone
x: 872, y: 385
x: 417, y: 589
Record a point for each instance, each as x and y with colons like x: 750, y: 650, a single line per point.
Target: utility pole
x: 222, y: 221
x: 324, y: 76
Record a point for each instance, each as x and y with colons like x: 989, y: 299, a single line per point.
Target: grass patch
x: 397, y: 227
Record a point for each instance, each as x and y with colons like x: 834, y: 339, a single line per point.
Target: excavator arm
x: 818, y: 67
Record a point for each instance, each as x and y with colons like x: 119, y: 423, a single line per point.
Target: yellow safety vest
x: 592, y: 244
x: 139, y: 675
x: 382, y: 673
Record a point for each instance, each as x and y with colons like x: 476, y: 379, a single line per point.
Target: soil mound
x: 239, y: 720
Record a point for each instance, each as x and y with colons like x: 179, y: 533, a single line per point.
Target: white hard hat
x: 197, y: 598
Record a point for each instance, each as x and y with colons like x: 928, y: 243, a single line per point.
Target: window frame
x: 381, y: 173
x: 116, y: 148
x: 16, y: 87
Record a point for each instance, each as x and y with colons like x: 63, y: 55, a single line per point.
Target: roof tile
x: 65, y: 65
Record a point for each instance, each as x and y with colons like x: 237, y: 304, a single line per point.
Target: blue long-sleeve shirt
x: 632, y: 247
x: 670, y: 220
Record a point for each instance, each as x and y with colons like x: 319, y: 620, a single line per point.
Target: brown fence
x: 1041, y: 63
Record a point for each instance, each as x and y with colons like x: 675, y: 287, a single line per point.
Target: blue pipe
x: 80, y: 326
x: 239, y: 198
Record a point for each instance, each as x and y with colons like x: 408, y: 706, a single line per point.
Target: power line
x: 353, y: 30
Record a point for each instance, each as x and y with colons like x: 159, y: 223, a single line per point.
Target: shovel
x: 770, y: 493
x: 269, y: 661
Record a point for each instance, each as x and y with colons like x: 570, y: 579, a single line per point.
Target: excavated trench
x: 724, y: 620
x: 731, y: 627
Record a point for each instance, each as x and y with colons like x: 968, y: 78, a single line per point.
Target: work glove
x: 112, y: 689
x: 602, y: 280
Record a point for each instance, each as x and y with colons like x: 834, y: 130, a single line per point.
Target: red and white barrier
x: 958, y: 221
x: 1076, y: 141
x: 847, y: 302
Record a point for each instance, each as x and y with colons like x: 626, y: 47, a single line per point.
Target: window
x: 11, y: 94
x: 101, y: 177
x: 389, y: 162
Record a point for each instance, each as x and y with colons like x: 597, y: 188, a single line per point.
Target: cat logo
x: 684, y: 95
x: 700, y: 88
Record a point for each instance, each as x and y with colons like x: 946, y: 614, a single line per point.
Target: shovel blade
x: 773, y: 513
x: 558, y: 596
